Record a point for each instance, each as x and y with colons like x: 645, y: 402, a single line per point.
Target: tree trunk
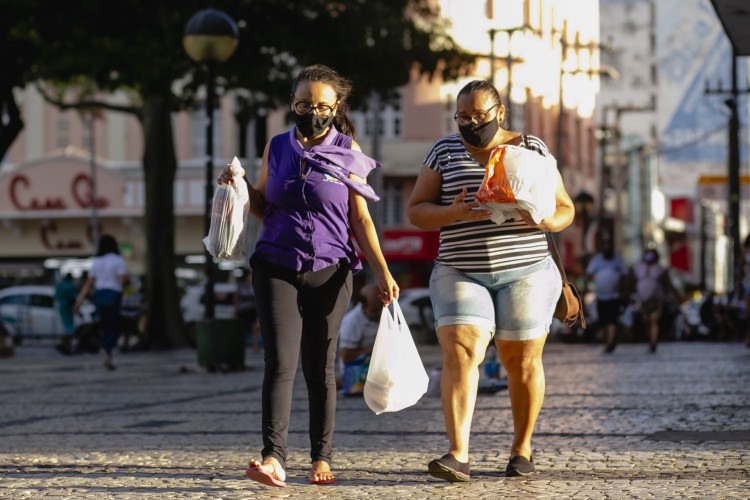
x: 164, y: 325
x: 10, y: 130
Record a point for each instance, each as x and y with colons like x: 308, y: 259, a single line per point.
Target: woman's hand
x: 388, y: 288
x: 468, y: 211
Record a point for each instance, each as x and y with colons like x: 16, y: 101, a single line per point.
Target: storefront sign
x: 20, y: 186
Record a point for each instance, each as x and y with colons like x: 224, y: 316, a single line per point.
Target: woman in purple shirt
x: 310, y: 196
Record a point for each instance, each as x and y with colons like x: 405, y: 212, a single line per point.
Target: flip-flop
x: 255, y: 473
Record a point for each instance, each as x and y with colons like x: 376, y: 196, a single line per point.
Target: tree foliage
x: 80, y: 51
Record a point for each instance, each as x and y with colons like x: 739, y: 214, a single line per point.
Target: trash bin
x: 221, y: 344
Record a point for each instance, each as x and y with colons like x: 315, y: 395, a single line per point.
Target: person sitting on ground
x: 356, y: 339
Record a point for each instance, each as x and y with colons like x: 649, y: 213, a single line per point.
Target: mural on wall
x: 693, y: 50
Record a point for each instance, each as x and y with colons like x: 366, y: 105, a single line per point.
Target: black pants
x: 299, y: 313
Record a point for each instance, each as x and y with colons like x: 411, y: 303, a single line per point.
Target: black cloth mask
x: 479, y: 135
x: 312, y: 125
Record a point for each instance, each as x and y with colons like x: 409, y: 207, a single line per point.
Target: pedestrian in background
x: 66, y: 293
x: 608, y: 272
x: 357, y: 338
x: 310, y: 195
x: 245, y: 307
x: 107, y: 277
x: 490, y: 280
x: 652, y: 286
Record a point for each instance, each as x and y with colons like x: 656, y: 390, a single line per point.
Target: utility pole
x: 510, y: 60
x: 733, y: 167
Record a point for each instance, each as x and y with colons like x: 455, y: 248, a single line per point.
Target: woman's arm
x: 425, y: 211
x: 367, y: 239
x: 85, y: 289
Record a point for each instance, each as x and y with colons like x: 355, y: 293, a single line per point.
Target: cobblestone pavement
x: 675, y: 424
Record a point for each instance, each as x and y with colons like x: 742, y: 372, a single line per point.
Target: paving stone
x: 160, y: 427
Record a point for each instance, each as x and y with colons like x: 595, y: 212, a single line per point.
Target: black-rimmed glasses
x: 304, y: 108
x: 477, y: 118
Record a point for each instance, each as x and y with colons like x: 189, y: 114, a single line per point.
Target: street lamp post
x: 210, y: 38
x: 510, y: 60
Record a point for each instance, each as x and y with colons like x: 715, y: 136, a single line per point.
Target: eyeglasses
x: 305, y: 108
x: 478, y: 118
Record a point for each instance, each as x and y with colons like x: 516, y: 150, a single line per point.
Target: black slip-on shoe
x: 449, y: 469
x: 520, y: 466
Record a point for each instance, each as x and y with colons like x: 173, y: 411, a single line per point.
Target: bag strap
x: 556, y: 256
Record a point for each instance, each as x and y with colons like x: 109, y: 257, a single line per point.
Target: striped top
x: 481, y: 246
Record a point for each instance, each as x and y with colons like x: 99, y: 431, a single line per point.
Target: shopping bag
x: 396, y: 378
x: 229, y: 210
x: 517, y: 178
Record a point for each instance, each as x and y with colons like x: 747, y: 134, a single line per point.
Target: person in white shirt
x: 107, y: 277
x: 607, y: 271
x: 358, y: 331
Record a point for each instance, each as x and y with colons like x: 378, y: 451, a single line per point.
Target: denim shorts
x: 508, y: 305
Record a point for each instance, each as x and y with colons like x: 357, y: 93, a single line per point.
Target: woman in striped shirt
x: 491, y: 281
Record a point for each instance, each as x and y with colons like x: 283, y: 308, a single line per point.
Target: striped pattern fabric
x: 481, y: 246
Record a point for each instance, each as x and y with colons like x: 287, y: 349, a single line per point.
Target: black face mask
x: 312, y: 125
x: 479, y: 135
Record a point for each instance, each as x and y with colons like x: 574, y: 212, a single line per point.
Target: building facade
x: 542, y: 55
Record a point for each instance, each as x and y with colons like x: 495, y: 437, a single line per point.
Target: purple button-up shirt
x: 306, y: 221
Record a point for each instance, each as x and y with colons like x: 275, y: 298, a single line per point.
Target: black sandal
x: 449, y: 469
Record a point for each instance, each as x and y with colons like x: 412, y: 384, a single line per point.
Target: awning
x: 735, y: 17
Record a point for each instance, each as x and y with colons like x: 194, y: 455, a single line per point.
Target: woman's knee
x: 520, y: 358
x: 462, y: 346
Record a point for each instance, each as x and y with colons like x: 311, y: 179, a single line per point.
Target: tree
x: 84, y: 52
x: 17, y: 55
x: 133, y: 46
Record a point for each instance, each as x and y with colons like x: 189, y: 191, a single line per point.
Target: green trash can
x: 221, y: 344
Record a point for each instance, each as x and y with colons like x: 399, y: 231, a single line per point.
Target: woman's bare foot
x: 269, y: 472
x: 320, y: 473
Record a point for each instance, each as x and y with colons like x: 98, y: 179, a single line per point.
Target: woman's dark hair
x: 342, y: 86
x: 484, y: 87
x: 107, y: 244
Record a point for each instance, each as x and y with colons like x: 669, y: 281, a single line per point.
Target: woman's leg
x: 463, y: 348
x: 324, y: 299
x: 523, y: 363
x: 281, y: 328
x: 653, y: 320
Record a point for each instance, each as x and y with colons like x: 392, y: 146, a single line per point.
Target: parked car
x: 31, y: 311
x: 417, y: 308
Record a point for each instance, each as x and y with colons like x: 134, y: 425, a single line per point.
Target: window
x: 14, y: 299
x: 42, y: 301
x: 393, y: 204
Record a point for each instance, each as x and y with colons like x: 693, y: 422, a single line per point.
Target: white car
x: 411, y: 301
x: 31, y: 311
x: 192, y: 303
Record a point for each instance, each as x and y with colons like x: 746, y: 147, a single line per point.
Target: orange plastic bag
x: 495, y: 186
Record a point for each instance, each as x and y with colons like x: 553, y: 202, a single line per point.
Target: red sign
x: 410, y: 245
x: 81, y: 190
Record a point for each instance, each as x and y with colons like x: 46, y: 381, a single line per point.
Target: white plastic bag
x: 231, y: 204
x: 396, y: 378
x: 519, y: 178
